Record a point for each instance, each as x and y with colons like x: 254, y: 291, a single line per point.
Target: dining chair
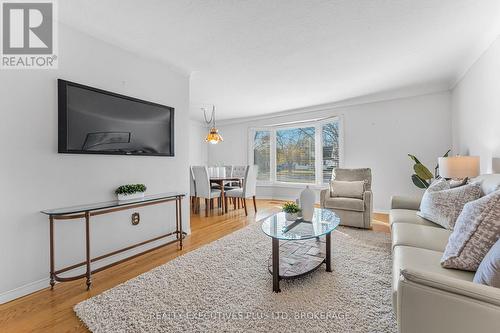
x: 248, y: 189
x: 203, y: 190
x: 238, y: 171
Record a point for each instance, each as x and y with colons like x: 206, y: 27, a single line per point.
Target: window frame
x: 318, y: 149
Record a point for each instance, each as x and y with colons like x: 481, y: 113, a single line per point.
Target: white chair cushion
x: 236, y: 193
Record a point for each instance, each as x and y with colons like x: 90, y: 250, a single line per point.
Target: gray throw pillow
x: 476, y: 230
x: 442, y: 204
x: 347, y: 189
x: 488, y: 272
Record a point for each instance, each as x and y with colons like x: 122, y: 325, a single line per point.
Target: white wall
x: 197, y: 146
x: 378, y: 135
x: 35, y: 177
x: 476, y: 109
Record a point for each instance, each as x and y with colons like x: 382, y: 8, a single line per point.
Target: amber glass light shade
x: 213, y: 136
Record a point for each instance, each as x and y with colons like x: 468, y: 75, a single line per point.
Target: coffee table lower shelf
x: 296, y: 258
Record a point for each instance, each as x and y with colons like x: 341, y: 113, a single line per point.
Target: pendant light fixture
x: 213, y: 135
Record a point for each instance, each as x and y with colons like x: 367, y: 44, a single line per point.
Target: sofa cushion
x: 408, y: 216
x: 345, y: 203
x: 422, y: 236
x: 414, y: 258
x: 476, y: 230
x: 443, y: 205
x: 347, y: 189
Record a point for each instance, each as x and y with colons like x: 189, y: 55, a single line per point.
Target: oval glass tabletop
x: 323, y: 222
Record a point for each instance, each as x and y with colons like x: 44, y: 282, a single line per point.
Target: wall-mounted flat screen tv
x: 94, y: 121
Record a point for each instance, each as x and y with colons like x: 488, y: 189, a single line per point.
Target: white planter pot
x: 136, y: 195
x: 291, y: 216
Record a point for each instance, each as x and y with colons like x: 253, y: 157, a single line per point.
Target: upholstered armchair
x: 350, y: 196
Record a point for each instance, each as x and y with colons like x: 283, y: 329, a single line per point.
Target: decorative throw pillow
x: 476, y: 230
x: 443, y: 205
x: 488, y: 272
x: 347, y: 189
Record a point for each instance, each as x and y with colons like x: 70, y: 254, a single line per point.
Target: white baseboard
x: 21, y: 291
x: 32, y: 287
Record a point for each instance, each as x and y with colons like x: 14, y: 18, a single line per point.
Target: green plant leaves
x: 414, y: 158
x: 131, y: 188
x: 422, y: 177
x: 419, y: 182
x: 291, y: 207
x: 422, y: 171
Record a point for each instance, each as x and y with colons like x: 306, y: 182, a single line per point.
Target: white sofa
x: 427, y: 297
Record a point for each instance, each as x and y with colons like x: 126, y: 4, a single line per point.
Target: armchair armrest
x: 433, y: 303
x: 402, y: 202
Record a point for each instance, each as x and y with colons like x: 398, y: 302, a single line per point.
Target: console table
x: 86, y: 211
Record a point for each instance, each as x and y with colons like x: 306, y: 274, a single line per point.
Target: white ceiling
x: 262, y: 56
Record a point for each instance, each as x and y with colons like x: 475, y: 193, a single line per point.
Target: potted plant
x: 291, y: 210
x: 130, y: 191
x: 422, y: 178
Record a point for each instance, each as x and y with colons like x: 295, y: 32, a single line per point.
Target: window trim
x: 318, y: 153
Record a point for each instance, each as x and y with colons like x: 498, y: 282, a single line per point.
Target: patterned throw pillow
x: 442, y: 204
x: 476, y: 230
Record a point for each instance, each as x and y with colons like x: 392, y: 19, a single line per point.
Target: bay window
x: 305, y: 153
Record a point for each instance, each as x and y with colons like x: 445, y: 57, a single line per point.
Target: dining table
x: 221, y: 181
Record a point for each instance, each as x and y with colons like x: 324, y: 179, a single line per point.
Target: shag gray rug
x: 225, y: 286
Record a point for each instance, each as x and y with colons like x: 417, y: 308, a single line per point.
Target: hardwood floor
x: 52, y: 310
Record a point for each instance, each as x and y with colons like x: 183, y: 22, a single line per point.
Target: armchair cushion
x: 345, y: 204
x: 347, y: 189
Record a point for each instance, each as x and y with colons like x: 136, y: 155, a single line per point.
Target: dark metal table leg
x: 52, y: 269
x: 276, y: 265
x: 87, y: 246
x: 180, y: 221
x: 328, y: 258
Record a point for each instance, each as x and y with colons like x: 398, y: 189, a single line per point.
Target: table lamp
x: 459, y: 167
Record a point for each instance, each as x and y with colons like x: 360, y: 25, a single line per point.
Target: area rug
x: 225, y: 287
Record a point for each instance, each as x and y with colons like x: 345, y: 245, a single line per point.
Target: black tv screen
x: 94, y: 121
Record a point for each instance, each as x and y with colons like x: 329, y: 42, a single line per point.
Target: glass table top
x: 110, y: 204
x: 323, y: 222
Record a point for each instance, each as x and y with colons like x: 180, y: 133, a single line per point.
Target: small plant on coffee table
x: 291, y: 207
x: 291, y: 210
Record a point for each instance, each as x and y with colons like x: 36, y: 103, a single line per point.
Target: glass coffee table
x: 303, y: 251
